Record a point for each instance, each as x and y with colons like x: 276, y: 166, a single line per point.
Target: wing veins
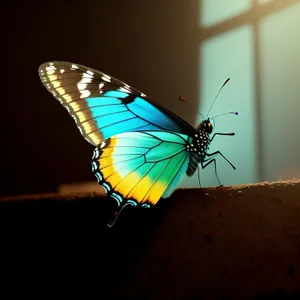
x: 144, y: 119
x: 118, y: 162
x: 157, y: 177
x: 171, y: 156
x: 140, y: 179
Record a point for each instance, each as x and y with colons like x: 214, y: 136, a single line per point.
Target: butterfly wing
x: 140, y: 167
x: 103, y: 106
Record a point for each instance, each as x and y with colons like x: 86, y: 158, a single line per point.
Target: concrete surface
x: 239, y: 242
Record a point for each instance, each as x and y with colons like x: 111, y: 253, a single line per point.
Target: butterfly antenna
x: 117, y: 213
x: 183, y: 100
x: 228, y: 113
x: 217, y: 96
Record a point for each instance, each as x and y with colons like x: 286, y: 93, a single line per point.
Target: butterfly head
x: 205, y: 126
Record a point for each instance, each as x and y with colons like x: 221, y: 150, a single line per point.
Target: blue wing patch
x: 103, y: 106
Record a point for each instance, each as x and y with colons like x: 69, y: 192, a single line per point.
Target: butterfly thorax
x: 199, y: 145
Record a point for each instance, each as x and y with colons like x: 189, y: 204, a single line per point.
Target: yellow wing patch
x: 126, y: 171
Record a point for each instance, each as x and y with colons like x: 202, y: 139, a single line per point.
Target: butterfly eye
x: 209, y: 127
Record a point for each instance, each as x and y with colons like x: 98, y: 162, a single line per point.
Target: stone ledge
x: 237, y: 242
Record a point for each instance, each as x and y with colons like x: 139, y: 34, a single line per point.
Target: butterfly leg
x: 213, y: 160
x: 218, y: 133
x: 218, y: 152
x: 199, y: 177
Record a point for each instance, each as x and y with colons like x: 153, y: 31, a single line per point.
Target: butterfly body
x: 198, y: 149
x: 142, y: 149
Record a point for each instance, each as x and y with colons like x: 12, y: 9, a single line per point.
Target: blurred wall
x: 166, y: 49
x: 257, y: 45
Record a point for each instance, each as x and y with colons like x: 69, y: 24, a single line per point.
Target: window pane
x: 280, y: 71
x: 229, y: 55
x: 216, y: 11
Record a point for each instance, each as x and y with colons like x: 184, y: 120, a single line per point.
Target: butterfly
x: 141, y: 149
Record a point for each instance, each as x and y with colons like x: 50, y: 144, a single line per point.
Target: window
x: 256, y: 44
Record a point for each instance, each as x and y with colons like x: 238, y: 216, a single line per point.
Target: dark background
x: 151, y: 45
